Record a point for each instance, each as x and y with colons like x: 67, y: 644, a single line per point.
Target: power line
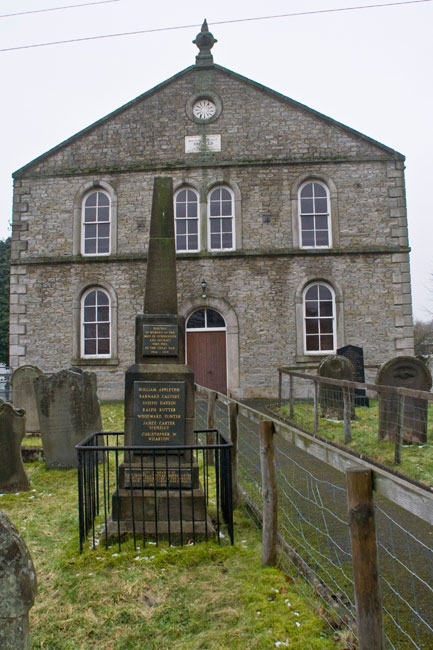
x: 40, y: 11
x: 219, y: 22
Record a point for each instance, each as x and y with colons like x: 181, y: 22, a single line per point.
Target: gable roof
x: 260, y: 87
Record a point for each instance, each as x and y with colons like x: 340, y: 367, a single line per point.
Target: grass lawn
x: 155, y: 598
x: 416, y: 460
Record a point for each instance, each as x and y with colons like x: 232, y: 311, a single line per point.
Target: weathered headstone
x: 405, y: 372
x: 331, y: 397
x: 355, y: 354
x: 160, y: 490
x: 68, y: 409
x: 17, y: 588
x: 23, y: 394
x: 13, y: 477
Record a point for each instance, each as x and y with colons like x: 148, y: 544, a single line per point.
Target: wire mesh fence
x: 389, y: 424
x: 314, y: 533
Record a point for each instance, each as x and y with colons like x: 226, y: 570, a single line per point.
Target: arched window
x: 96, y: 224
x: 314, y: 215
x: 221, y: 232
x: 186, y: 218
x: 95, y: 324
x: 319, y: 319
x: 206, y: 319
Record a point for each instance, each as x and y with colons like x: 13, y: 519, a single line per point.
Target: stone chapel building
x: 291, y: 235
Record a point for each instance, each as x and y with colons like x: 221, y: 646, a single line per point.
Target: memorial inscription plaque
x: 160, y: 340
x: 170, y: 478
x: 159, y: 413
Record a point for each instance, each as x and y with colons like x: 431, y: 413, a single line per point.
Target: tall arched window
x: 96, y: 224
x: 314, y: 215
x: 186, y: 218
x: 95, y: 323
x: 221, y: 232
x: 319, y: 319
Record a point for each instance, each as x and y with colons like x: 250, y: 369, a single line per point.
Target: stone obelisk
x: 156, y: 485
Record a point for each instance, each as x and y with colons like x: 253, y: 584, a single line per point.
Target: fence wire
x: 314, y: 529
x: 391, y: 428
x: 406, y: 574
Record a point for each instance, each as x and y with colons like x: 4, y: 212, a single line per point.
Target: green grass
x: 155, y: 598
x: 416, y: 460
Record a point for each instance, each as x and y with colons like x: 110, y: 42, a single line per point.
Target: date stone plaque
x: 159, y: 413
x: 160, y: 340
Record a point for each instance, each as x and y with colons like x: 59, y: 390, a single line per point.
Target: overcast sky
x: 370, y: 69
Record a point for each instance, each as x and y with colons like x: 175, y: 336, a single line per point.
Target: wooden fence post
x: 292, y: 398
x: 316, y: 407
x: 347, y: 414
x: 233, y: 423
x: 399, y: 432
x: 269, y: 494
x: 364, y: 559
x: 211, y: 401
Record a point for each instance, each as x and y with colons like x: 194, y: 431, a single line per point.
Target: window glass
x: 96, y: 224
x: 221, y: 219
x: 314, y: 216
x: 186, y: 215
x: 205, y: 319
x: 96, y: 325
x: 319, y: 319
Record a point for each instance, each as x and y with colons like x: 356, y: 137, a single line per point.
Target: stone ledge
x: 94, y: 362
x: 276, y: 252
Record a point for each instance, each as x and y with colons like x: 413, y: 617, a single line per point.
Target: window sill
x: 94, y: 362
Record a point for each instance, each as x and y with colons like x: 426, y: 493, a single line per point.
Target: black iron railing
x: 181, y: 494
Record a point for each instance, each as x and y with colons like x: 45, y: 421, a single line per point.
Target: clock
x: 204, y: 109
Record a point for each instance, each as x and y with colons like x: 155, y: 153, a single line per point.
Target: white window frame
x: 232, y: 216
x: 83, y: 323
x: 319, y: 352
x: 187, y: 219
x: 314, y: 214
x: 95, y: 190
x: 206, y: 328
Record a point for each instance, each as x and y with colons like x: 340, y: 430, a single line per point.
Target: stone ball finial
x: 205, y: 42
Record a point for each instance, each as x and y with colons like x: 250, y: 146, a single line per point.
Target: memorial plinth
x: 159, y: 490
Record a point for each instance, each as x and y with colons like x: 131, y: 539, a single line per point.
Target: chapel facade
x: 291, y: 236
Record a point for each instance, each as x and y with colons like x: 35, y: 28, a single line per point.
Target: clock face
x: 204, y: 109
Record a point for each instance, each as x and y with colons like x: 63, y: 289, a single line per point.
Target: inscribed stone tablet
x: 159, y: 413
x: 170, y: 478
x: 160, y: 340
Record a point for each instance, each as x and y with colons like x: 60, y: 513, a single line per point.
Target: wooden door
x: 206, y: 355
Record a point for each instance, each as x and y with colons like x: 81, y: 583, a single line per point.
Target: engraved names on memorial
x: 160, y: 340
x: 170, y: 478
x: 159, y: 413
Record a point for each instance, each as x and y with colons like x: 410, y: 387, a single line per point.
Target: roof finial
x: 205, y: 42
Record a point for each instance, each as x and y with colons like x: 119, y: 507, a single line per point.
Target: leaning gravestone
x: 13, y: 477
x: 17, y: 588
x: 159, y: 492
x: 68, y: 411
x: 331, y: 397
x: 404, y: 372
x: 355, y: 354
x: 23, y: 394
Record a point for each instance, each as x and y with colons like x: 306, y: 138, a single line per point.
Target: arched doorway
x: 206, y: 348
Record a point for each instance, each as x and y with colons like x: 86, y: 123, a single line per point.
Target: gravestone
x: 331, y: 397
x: 405, y: 372
x: 355, y: 354
x: 158, y: 489
x: 13, y: 477
x: 23, y: 394
x: 68, y: 409
x: 17, y: 588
